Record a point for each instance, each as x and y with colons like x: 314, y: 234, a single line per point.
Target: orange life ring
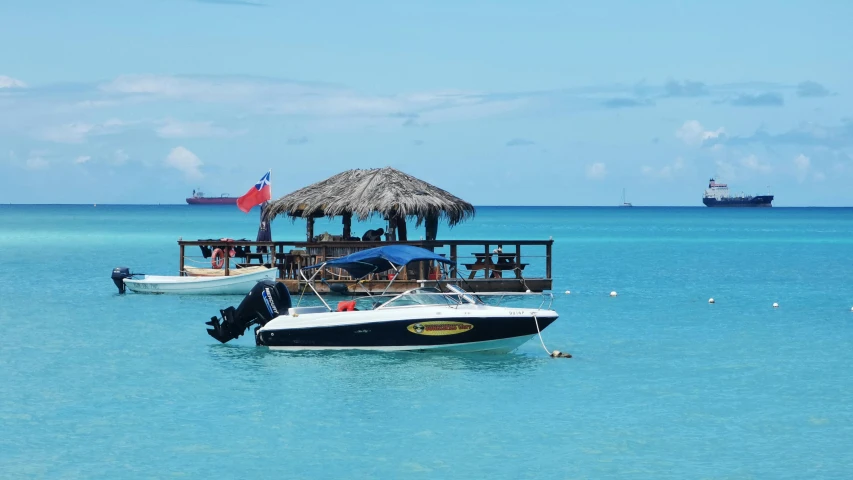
x: 218, y: 259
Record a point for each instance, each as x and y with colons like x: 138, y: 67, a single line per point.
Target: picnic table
x: 506, y: 261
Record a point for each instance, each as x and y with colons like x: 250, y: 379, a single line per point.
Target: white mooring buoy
x: 775, y: 305
x: 710, y: 300
x: 613, y: 293
x: 568, y: 292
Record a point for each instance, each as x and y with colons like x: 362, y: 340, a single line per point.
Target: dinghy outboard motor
x: 267, y: 300
x: 118, y: 276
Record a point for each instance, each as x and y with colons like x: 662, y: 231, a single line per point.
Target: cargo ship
x: 717, y: 195
x: 198, y: 198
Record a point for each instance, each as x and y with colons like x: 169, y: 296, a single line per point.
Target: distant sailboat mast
x: 624, y: 203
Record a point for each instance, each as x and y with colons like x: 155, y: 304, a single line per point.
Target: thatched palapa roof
x: 364, y: 193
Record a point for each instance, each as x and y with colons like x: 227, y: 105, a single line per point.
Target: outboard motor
x: 118, y: 276
x: 267, y: 300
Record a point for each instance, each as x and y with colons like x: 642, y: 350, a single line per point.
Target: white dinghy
x: 191, y: 285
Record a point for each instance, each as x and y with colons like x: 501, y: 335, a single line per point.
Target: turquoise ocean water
x: 662, y: 384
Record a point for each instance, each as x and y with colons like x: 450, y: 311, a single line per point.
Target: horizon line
x: 95, y: 204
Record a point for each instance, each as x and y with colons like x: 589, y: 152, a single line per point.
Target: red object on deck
x: 346, y: 306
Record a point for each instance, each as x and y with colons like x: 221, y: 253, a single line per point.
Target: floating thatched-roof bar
x: 364, y: 193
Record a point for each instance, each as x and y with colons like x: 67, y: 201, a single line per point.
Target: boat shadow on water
x: 253, y: 357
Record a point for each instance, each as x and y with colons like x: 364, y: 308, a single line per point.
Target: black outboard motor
x: 267, y: 300
x: 119, y: 274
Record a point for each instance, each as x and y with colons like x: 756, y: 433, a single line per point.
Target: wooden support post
x: 323, y: 259
x: 272, y: 258
x: 431, y: 224
x: 181, y: 265
x: 548, y: 260
x: 391, y: 234
x: 517, y: 260
x: 309, y: 224
x: 227, y: 258
x: 402, y: 234
x: 453, y: 258
x: 347, y: 221
x: 487, y: 260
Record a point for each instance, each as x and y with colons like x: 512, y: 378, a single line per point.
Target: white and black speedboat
x: 417, y: 319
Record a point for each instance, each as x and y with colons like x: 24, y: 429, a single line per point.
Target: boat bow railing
x: 419, y: 297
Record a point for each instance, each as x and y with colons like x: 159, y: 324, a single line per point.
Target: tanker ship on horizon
x: 198, y: 198
x: 717, y: 195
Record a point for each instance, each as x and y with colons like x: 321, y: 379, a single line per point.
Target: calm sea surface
x: 662, y: 384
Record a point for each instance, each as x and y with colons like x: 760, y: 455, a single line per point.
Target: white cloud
x: 177, y: 129
x: 803, y: 169
x: 726, y: 170
x: 465, y: 110
x: 112, y: 123
x: 88, y: 104
x: 753, y: 163
x: 596, y: 171
x: 185, y: 161
x: 36, y: 161
x: 9, y: 82
x: 667, y: 171
x: 68, y: 133
x: 76, y: 132
x: 268, y: 95
x: 120, y: 157
x: 308, y: 99
x: 693, y: 133
x: 117, y: 157
x: 802, y: 164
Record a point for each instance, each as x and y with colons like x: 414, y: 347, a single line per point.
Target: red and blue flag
x: 261, y: 192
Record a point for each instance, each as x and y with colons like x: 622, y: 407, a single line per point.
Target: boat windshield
x: 420, y: 296
x: 463, y: 295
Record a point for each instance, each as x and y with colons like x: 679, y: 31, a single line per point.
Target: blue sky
x: 501, y: 103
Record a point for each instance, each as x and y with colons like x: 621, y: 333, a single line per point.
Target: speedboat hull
x: 419, y: 319
x: 474, y: 329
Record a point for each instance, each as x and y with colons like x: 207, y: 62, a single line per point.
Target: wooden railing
x: 288, y: 257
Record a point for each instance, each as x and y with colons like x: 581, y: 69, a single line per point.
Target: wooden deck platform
x: 296, y: 287
x: 519, y: 265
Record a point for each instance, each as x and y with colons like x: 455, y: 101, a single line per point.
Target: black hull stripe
x: 397, y: 334
x: 758, y: 201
